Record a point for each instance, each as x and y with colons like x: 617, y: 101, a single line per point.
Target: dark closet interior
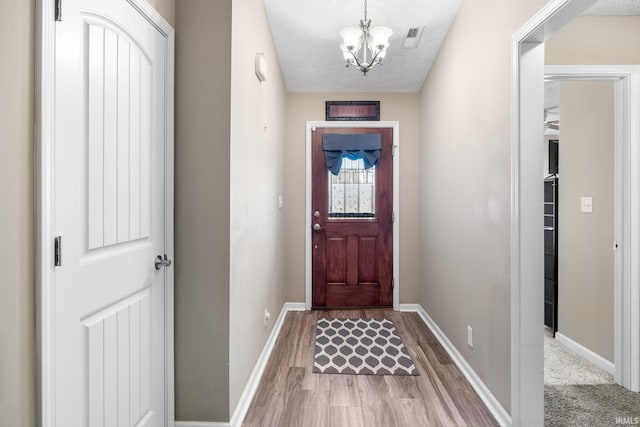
x: 551, y: 240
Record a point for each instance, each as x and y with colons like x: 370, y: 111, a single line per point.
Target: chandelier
x: 364, y: 47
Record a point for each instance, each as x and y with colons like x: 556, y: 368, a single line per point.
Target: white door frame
x: 395, y: 125
x: 45, y: 198
x: 527, y: 388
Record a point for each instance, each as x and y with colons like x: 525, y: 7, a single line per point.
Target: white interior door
x: 109, y: 209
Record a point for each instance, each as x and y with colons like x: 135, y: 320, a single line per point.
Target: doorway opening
x: 580, y: 355
x: 600, y: 169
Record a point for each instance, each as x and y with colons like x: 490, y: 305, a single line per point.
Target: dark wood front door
x: 352, y: 220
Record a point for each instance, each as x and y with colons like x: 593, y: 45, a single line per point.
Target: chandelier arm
x: 358, y: 63
x: 373, y: 60
x: 371, y: 63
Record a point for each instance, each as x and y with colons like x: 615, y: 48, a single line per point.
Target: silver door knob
x: 317, y: 227
x: 162, y: 262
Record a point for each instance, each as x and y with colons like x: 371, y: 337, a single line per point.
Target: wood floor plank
x: 412, y: 412
x: 438, y: 391
x: 402, y: 386
x: 345, y: 416
x: 291, y: 395
x: 378, y: 410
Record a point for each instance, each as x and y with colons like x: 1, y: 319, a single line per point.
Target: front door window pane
x: 352, y: 192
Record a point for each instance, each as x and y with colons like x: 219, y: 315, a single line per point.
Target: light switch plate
x: 586, y: 204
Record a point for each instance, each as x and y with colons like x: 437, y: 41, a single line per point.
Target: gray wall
x: 229, y: 174
x: 596, y: 40
x: 202, y: 127
x: 311, y: 106
x: 466, y: 184
x: 585, y: 256
x: 17, y: 377
x: 256, y: 180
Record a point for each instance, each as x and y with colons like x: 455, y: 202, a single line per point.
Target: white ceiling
x: 615, y: 8
x: 305, y: 33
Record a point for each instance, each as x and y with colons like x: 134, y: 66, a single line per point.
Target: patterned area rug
x: 360, y: 346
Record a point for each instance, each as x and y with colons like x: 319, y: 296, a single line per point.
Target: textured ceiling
x: 305, y: 33
x: 615, y: 8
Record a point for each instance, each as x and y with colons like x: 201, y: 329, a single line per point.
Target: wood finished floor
x: 290, y: 395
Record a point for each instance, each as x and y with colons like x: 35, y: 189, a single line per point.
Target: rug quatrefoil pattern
x: 360, y: 346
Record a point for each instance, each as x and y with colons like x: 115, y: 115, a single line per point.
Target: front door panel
x: 352, y: 263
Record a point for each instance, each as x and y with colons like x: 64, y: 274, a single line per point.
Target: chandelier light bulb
x: 352, y: 37
x: 380, y: 37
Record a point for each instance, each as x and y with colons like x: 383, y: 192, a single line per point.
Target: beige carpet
x: 578, y: 393
x: 564, y: 367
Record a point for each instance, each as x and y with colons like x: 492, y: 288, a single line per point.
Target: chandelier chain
x: 365, y: 10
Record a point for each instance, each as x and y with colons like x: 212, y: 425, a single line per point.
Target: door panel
x: 337, y: 260
x: 119, y: 361
x: 109, y: 191
x: 352, y: 263
x: 364, y: 295
x: 352, y: 260
x: 119, y: 106
x: 367, y: 259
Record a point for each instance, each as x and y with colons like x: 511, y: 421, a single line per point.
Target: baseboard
x: 254, y: 380
x: 584, y: 352
x: 200, y: 424
x: 501, y: 416
x: 294, y: 306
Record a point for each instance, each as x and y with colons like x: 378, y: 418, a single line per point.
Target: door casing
x: 395, y: 125
x: 45, y: 201
x: 527, y: 388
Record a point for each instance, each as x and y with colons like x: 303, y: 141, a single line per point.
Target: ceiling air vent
x: 413, y: 37
x: 412, y: 33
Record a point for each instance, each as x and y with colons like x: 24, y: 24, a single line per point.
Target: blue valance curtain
x: 354, y: 146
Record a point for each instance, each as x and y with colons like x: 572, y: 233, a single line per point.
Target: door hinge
x: 393, y: 217
x: 393, y: 150
x: 58, y: 6
x: 57, y: 251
